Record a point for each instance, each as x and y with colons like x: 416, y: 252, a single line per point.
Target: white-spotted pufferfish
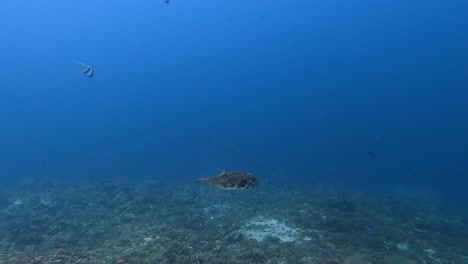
x: 231, y: 181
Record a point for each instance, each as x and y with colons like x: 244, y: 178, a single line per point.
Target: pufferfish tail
x: 203, y: 181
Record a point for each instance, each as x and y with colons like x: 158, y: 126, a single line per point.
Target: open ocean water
x: 350, y: 115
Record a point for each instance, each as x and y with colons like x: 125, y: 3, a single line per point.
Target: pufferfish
x: 231, y: 181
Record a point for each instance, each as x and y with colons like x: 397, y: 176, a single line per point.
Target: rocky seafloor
x: 151, y: 222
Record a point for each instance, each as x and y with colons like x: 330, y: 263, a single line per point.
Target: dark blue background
x: 283, y: 89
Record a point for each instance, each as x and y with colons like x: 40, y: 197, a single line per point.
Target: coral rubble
x: 151, y: 222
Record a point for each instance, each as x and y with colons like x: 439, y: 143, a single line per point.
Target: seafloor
x: 152, y: 222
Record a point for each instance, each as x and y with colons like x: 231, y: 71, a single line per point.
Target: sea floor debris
x: 152, y: 222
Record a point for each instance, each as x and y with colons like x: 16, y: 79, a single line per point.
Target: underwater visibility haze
x: 108, y: 104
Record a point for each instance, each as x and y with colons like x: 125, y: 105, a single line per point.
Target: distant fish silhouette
x: 372, y: 154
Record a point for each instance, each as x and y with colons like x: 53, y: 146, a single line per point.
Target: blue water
x: 300, y: 90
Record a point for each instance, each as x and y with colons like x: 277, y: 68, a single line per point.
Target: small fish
x: 372, y: 154
x: 369, y: 232
x: 87, y: 70
x: 231, y: 181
